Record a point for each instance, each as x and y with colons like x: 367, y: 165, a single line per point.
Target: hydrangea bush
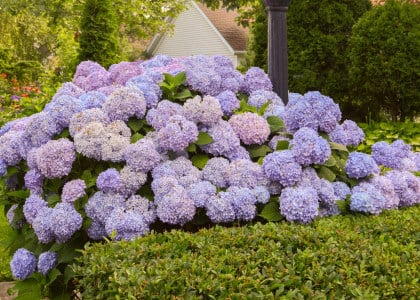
x: 181, y: 143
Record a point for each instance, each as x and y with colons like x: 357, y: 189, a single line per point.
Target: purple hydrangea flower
x: 250, y: 128
x: 40, y: 129
x: 176, y: 207
x: 281, y: 166
x: 360, y: 165
x: 163, y: 185
x: 114, y: 147
x: 299, y: 204
x: 73, y: 190
x: 309, y: 148
x: 94, y: 81
x: 70, y: 89
x: 109, y: 181
x: 256, y: 79
x: 34, y: 180
x: 23, y: 264
x: 260, y: 97
x: 365, y: 197
x: 127, y: 225
x: 206, y: 110
x: 10, y: 215
x: 84, y: 69
x: 246, y: 173
x: 386, y: 187
x: 228, y: 102
x: 348, y: 134
x: 177, y: 134
x: 216, y: 171
x: 151, y: 90
x: 132, y: 180
x: 79, y: 120
x: 201, y: 192
x: 219, y: 209
x: 341, y: 190
x: 100, y: 206
x: 238, y: 153
x: 65, y: 222
x: 142, y: 206
x: 261, y: 193
x: 55, y: 158
x: 63, y: 108
x: 33, y: 204
x: 390, y: 155
x: 224, y: 138
x: 125, y: 102
x: 47, y: 261
x: 203, y: 78
x: 43, y: 226
x: 120, y: 73
x: 406, y: 186
x: 93, y: 99
x: 243, y: 202
x: 11, y: 147
x: 158, y: 117
x: 96, y: 230
x: 142, y: 156
x: 90, y: 139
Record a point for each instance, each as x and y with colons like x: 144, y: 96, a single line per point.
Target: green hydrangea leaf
x: 204, y: 139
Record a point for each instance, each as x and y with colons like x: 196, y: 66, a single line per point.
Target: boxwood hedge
x: 343, y: 257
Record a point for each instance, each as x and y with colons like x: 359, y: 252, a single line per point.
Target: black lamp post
x: 277, y: 46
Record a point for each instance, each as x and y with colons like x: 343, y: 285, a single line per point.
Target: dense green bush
x: 384, y: 49
x: 344, y: 257
x: 99, y: 33
x: 5, y: 230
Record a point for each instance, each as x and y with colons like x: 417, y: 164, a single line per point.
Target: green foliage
x: 384, y: 48
x: 99, y: 33
x: 173, y: 87
x: 350, y: 257
x: 5, y: 230
x: 409, y: 132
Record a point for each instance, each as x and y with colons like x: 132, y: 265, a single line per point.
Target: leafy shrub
x: 347, y: 257
x: 5, y: 230
x: 383, y: 51
x: 179, y: 143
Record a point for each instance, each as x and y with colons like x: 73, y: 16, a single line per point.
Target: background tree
x: 384, y: 53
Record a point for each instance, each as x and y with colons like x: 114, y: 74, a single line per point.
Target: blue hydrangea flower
x: 261, y: 193
x: 127, y: 225
x: 162, y: 185
x: 73, y: 190
x: 200, y: 192
x: 100, y: 206
x: 250, y: 128
x: 65, y: 222
x: 219, y: 209
x: 70, y: 89
x: 360, y: 165
x: 132, y: 180
x: 79, y: 120
x: 33, y: 204
x: 246, y: 173
x: 177, y: 134
x: 40, y: 129
x: 11, y: 147
x: 309, y: 148
x: 406, y: 186
x: 386, y: 187
x: 63, y: 108
x: 341, y: 190
x: 228, y: 102
x: 151, y: 90
x: 23, y: 264
x: 365, y: 197
x: 238, y: 153
x: 256, y: 79
x: 390, y: 155
x: 203, y: 110
x: 216, y: 171
x: 282, y: 167
x: 96, y: 230
x: 243, y: 202
x: 47, y: 261
x: 142, y: 156
x: 224, y: 138
x: 299, y: 204
x: 34, y: 181
x: 260, y: 97
x: 125, y: 102
x: 144, y: 207
x: 43, y: 226
x: 55, y: 158
x: 348, y: 134
x: 158, y: 117
x: 92, y: 99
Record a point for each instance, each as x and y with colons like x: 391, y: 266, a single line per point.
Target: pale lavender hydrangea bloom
x: 184, y: 169
x: 261, y: 193
x: 65, y: 222
x: 224, y: 138
x: 109, y: 181
x: 151, y: 90
x: 220, y: 210
x: 84, y: 69
x: 246, y: 173
x: 176, y: 207
x: 127, y: 225
x: 256, y: 79
x: 158, y: 117
x: 260, y: 97
x: 325, y: 192
x: 348, y: 133
x: 33, y: 205
x: 55, y: 158
x: 200, y: 192
x: 299, y: 204
x: 132, y: 180
x: 360, y: 165
x: 228, y: 102
x: 390, y: 155
x: 142, y: 156
x: 216, y: 171
x: 23, y: 264
x: 281, y: 166
x: 238, y: 153
x: 243, y: 202
x: 120, y: 73
x: 11, y: 147
x: 341, y: 190
x: 34, y: 180
x: 43, y: 226
x: 114, y: 147
x: 96, y: 230
x: 92, y: 99
x: 366, y: 198
x: 309, y: 148
x: 386, y: 187
x: 203, y: 110
x: 177, y: 134
x: 73, y: 190
x: 163, y: 185
x: 406, y: 186
x: 79, y: 120
x: 95, y: 80
x: 47, y: 261
x: 90, y: 139
x: 108, y: 90
x: 100, y: 206
x: 125, y: 102
x: 159, y: 60
x: 144, y: 207
x: 40, y: 129
x: 232, y: 79
x: 70, y: 89
x: 63, y: 108
x: 250, y: 128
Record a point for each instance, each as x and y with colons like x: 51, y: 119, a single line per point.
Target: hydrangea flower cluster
x: 111, y: 157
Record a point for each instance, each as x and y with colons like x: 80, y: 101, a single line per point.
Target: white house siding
x: 191, y: 28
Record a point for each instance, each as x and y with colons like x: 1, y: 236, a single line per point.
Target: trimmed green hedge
x: 342, y: 257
